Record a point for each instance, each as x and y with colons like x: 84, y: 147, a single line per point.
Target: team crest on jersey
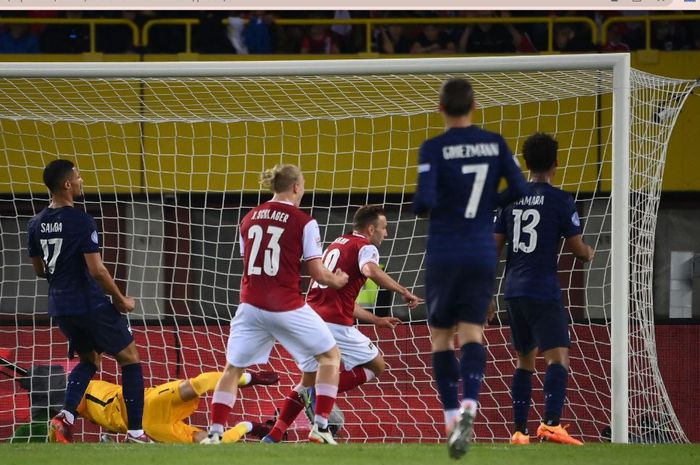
x: 575, y: 220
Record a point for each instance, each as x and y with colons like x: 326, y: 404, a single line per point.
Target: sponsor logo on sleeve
x: 94, y: 238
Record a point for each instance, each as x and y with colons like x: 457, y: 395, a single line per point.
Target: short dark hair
x: 540, y: 152
x: 56, y: 172
x: 457, y: 97
x: 367, y: 215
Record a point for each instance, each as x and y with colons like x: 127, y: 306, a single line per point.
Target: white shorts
x: 253, y: 333
x: 355, y: 348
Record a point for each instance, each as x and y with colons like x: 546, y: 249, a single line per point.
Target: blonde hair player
x: 274, y: 237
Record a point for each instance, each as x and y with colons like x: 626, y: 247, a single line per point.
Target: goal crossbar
x: 315, y: 67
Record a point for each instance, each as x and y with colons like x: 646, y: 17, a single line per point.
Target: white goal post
x: 350, y: 122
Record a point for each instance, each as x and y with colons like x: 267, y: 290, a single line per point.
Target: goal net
x: 170, y: 155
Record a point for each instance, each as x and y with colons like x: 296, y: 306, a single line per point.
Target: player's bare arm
x: 365, y: 316
x: 376, y: 274
x: 100, y: 273
x: 320, y: 274
x: 38, y: 265
x: 580, y: 249
x: 500, y: 240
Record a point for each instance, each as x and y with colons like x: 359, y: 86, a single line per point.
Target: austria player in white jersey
x: 357, y: 254
x: 274, y: 237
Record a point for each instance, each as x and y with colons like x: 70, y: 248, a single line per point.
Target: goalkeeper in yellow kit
x: 166, y: 407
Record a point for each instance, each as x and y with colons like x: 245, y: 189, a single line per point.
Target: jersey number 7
x: 480, y: 170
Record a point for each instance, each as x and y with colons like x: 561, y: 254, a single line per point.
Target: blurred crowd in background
x: 256, y: 32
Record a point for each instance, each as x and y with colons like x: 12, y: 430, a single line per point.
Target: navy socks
x: 132, y: 387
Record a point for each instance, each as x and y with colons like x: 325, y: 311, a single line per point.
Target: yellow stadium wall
x: 355, y: 155
x: 683, y: 161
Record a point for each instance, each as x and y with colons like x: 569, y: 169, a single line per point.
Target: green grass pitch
x: 346, y: 454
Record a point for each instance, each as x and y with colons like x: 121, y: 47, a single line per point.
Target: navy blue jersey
x: 534, y: 226
x: 458, y: 177
x: 61, y: 236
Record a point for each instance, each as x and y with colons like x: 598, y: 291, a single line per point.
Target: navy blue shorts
x: 458, y: 293
x: 538, y: 323
x: 102, y: 330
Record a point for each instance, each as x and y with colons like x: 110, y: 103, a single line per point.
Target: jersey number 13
x: 524, y: 223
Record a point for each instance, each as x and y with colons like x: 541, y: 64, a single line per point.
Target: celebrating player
x: 166, y: 406
x: 357, y: 254
x: 458, y: 176
x: 273, y: 238
x: 64, y: 248
x: 533, y: 226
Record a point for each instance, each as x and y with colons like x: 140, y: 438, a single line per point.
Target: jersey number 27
x: 50, y: 256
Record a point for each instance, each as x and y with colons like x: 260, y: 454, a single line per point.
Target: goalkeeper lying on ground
x: 165, y: 408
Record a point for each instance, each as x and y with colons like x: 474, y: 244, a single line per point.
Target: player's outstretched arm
x: 100, y: 273
x: 365, y: 316
x: 206, y: 382
x: 322, y: 275
x: 580, y: 249
x: 376, y: 274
